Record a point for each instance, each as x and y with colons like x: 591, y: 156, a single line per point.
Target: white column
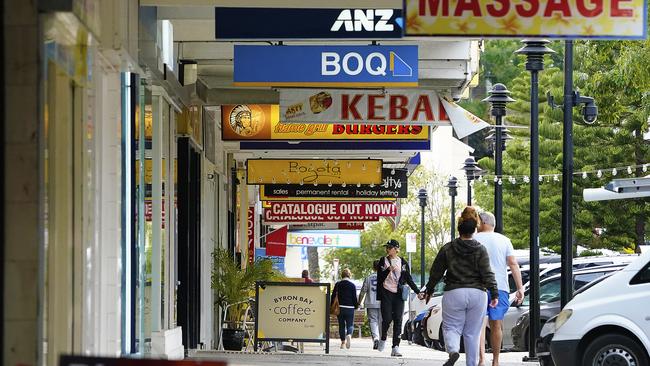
x: 156, y: 244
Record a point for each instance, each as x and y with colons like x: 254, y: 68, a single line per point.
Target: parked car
x: 547, y: 314
x: 609, y: 324
x: 516, y: 338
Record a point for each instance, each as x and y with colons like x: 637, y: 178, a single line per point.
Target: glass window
x: 580, y: 280
x: 548, y: 292
x: 642, y: 277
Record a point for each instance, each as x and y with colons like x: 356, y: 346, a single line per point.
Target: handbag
x: 405, y: 293
x: 334, y: 306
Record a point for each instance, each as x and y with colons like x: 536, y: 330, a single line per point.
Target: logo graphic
x: 246, y: 121
x: 398, y: 66
x: 362, y: 20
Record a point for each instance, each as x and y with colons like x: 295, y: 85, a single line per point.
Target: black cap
x: 392, y: 244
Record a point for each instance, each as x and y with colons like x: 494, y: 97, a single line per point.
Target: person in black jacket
x: 393, y: 273
x: 346, y: 291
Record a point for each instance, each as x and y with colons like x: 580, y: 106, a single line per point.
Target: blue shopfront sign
x: 309, y: 23
x: 326, y: 66
x: 278, y: 262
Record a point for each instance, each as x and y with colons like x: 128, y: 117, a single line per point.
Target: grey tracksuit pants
x: 463, y: 311
x: 374, y: 319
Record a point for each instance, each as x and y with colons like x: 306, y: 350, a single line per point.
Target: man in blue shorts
x: 502, y: 256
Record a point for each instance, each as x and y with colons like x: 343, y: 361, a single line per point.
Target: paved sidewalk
x: 361, y: 353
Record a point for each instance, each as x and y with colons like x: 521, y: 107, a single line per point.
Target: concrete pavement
x: 360, y: 353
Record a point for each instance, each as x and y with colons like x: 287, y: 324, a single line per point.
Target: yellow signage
x: 261, y: 122
x: 292, y: 311
x: 608, y: 19
x: 272, y: 171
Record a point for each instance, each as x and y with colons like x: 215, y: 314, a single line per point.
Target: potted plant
x: 234, y: 285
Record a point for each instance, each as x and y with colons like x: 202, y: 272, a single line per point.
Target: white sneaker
x: 395, y: 352
x: 348, y: 338
x: 381, y: 346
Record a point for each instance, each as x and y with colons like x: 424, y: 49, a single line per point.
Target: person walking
x: 466, y: 266
x: 393, y: 273
x: 346, y: 292
x: 305, y: 276
x: 372, y: 305
x: 502, y: 255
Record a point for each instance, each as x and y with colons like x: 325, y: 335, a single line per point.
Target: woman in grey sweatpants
x: 468, y: 275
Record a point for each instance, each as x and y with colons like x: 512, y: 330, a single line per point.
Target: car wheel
x: 614, y: 349
x: 546, y: 361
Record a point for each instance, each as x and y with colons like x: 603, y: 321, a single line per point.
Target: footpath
x: 360, y: 353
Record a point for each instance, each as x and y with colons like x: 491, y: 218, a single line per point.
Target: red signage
x: 351, y: 226
x: 148, y: 211
x: 251, y: 234
x: 276, y: 243
x: 328, y: 211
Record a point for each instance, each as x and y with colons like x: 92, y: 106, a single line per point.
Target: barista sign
x: 292, y: 311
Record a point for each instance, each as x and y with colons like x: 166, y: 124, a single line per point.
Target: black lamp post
x: 499, y: 97
x: 452, y: 184
x: 534, y: 50
x: 422, y: 195
x: 472, y: 171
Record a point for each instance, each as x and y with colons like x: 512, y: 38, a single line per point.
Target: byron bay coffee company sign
x: 306, y: 171
x: 292, y: 311
x: 394, y: 185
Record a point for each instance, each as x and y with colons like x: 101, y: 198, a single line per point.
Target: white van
x: 610, y: 323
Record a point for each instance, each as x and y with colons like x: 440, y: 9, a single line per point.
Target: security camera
x: 589, y: 108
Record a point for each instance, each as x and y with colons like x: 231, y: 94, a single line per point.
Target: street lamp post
x: 422, y: 195
x: 472, y: 171
x: 452, y: 184
x: 499, y: 97
x: 534, y: 50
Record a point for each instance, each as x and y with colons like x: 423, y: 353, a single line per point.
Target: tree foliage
x: 603, y: 70
x: 437, y: 214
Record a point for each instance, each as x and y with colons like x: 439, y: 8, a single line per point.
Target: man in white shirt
x: 502, y: 256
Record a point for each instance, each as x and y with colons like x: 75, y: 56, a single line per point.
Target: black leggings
x: 392, y: 310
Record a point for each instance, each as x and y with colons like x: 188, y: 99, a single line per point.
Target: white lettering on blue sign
x: 331, y: 63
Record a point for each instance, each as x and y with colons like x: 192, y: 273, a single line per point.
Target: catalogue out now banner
x: 608, y: 19
x: 328, y: 226
x: 328, y: 211
x: 325, y: 238
x: 261, y: 122
x: 294, y: 311
x: 309, y: 171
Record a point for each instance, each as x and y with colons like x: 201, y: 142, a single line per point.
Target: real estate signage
x: 261, y: 122
x: 606, y: 19
x: 307, y: 23
x: 394, y: 185
x: 306, y: 171
x: 326, y: 66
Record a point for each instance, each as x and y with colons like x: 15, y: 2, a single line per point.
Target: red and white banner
x: 328, y: 226
x: 392, y: 107
x: 328, y: 211
x: 276, y: 243
x: 251, y: 234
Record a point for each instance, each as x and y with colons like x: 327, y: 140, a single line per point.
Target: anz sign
x: 369, y: 20
x: 307, y: 23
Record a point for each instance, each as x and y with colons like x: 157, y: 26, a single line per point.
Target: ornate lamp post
x: 534, y: 50
x: 452, y: 184
x: 422, y: 195
x: 472, y: 171
x: 499, y: 97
